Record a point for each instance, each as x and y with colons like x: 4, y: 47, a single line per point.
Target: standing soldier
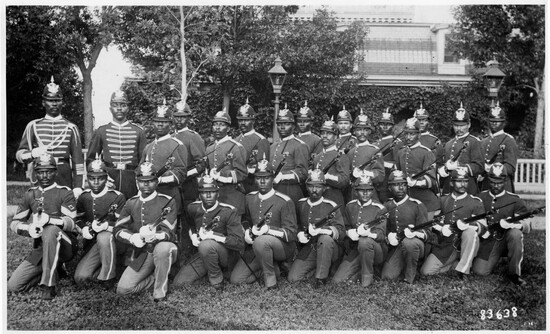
x: 271, y: 230
x: 386, y: 144
x: 291, y: 154
x: 147, y: 223
x: 456, y: 240
x: 367, y: 232
x: 52, y: 208
x: 55, y: 135
x: 255, y: 144
x: 121, y: 143
x: 333, y: 163
x: 346, y: 141
x: 364, y: 153
x: 218, y: 236
x: 499, y: 147
x: 413, y: 158
x: 168, y: 155
x: 322, y: 227
x: 504, y: 238
x: 426, y: 138
x: 465, y: 150
x: 407, y: 245
x: 97, y: 211
x: 304, y: 120
x: 227, y: 162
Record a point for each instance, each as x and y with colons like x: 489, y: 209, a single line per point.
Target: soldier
x: 220, y: 235
x: 52, y: 208
x: 227, y: 162
x: 363, y: 153
x: 168, y: 155
x: 147, y: 223
x: 407, y: 245
x: 426, y: 138
x: 464, y: 149
x: 121, y: 143
x: 57, y: 136
x: 386, y: 143
x: 499, y: 147
x: 333, y: 163
x: 304, y: 120
x: 291, y: 154
x: 367, y: 235
x: 97, y: 211
x: 346, y: 141
x: 271, y: 221
x: 255, y: 144
x: 503, y: 238
x: 413, y: 158
x: 456, y: 240
x: 322, y: 227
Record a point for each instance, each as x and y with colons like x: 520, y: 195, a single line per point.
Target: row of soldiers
x: 250, y: 192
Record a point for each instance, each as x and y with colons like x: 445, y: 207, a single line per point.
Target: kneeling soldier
x: 147, y: 222
x: 322, y: 227
x: 52, y: 208
x: 220, y: 235
x: 272, y: 233
x: 367, y: 233
x: 97, y: 211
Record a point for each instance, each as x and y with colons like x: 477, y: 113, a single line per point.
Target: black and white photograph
x: 278, y: 166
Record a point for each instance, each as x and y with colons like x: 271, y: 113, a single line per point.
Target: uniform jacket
x: 313, y: 213
x: 296, y: 161
x: 340, y: 168
x: 429, y: 140
x: 90, y: 206
x: 508, y: 157
x: 470, y: 158
x: 385, y: 142
x: 362, y: 153
x: 346, y: 142
x: 237, y: 169
x: 408, y: 211
x: 253, y: 140
x: 312, y: 141
x: 364, y: 213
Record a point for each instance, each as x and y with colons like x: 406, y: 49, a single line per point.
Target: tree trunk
x: 539, y: 127
x: 88, y: 110
x: 182, y: 56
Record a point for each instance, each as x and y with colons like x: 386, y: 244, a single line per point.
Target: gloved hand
x: 312, y: 230
x: 486, y: 235
x: 437, y: 227
x: 506, y: 225
x: 302, y: 237
x: 446, y: 230
x: 361, y: 230
x: 41, y: 220
x: 461, y: 225
x: 160, y: 236
x: 251, y: 169
x: 147, y: 234
x: 392, y: 239
x: 137, y: 240
x: 325, y: 231
x: 409, y: 234
x: 260, y: 231
x: 352, y: 234
x: 247, y: 237
x: 202, y: 233
x: 411, y: 182
x: 451, y: 165
x: 357, y: 172
x: 77, y: 192
x: 214, y: 174
x: 194, y: 239
x: 98, y: 227
x: 86, y: 233
x: 38, y: 151
x: 207, y: 235
x: 278, y: 178
x: 331, y: 177
x: 488, y: 167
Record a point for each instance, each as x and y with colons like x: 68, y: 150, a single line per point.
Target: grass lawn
x: 435, y: 303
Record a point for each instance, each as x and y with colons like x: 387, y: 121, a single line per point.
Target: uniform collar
x: 120, y: 125
x: 288, y: 138
x: 212, y: 208
x: 498, y: 133
x: 251, y: 132
x: 365, y: 143
x: 315, y: 203
x: 267, y: 195
x: 224, y: 139
x: 463, y: 136
x: 101, y: 193
x: 304, y: 133
x: 152, y: 196
x: 415, y: 145
x: 425, y: 133
x: 497, y: 195
x: 367, y: 203
x: 56, y: 118
x: 163, y: 138
x: 402, y: 201
x: 456, y: 198
x: 51, y: 186
x: 184, y: 129
x: 345, y: 135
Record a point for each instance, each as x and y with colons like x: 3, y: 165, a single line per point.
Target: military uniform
x: 508, y: 156
x: 194, y: 144
x: 253, y: 141
x: 100, y: 261
x: 346, y: 142
x: 312, y: 141
x: 295, y: 169
x: 340, y: 169
x: 277, y: 244
x: 385, y: 143
x: 360, y: 154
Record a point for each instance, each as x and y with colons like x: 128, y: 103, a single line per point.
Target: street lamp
x: 493, y: 78
x: 277, y: 75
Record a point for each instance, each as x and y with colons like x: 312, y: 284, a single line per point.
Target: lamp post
x: 277, y: 75
x: 493, y: 79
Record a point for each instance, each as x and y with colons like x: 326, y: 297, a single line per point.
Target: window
x: 449, y: 57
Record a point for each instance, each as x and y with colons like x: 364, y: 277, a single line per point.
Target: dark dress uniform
x: 346, y: 142
x: 360, y: 154
x: 100, y: 260
x: 295, y: 169
x: 321, y: 252
x: 334, y: 188
x: 256, y: 147
x: 121, y: 146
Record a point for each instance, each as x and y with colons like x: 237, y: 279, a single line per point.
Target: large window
x: 449, y: 57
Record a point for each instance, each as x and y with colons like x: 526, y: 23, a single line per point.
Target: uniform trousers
x: 469, y: 245
x: 100, y: 261
x: 360, y: 264
x: 154, y: 272
x: 511, y: 245
x: 56, y: 248
x: 211, y: 259
x: 318, y: 261
x: 405, y: 257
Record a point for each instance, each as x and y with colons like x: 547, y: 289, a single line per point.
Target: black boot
x: 48, y: 292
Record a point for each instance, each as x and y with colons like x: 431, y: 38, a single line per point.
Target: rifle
x: 485, y: 214
x: 426, y: 170
x: 337, y: 157
x: 226, y: 162
x: 501, y: 149
x: 526, y: 215
x: 498, y: 232
x: 168, y: 165
x: 324, y: 221
x: 459, y: 153
x: 263, y: 221
x: 153, y: 226
x: 253, y: 153
x: 40, y: 220
x: 281, y: 164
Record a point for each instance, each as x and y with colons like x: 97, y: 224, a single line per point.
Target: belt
x: 120, y: 166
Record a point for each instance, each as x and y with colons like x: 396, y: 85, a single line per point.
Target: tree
x: 514, y: 36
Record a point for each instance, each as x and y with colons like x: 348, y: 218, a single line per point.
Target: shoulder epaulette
x: 259, y: 135
x: 415, y: 200
x: 139, y: 126
x: 476, y: 138
x: 32, y: 188
x: 300, y: 141
x: 196, y: 202
x: 63, y: 187
x: 177, y: 140
x: 283, y: 196
x: 509, y: 135
x: 118, y: 193
x: 252, y: 193
x: 302, y: 199
x: 513, y: 194
x: 353, y: 201
x: 326, y: 200
x: 165, y: 196
x: 380, y: 206
x: 428, y: 134
x: 476, y: 198
x: 86, y: 190
x: 227, y: 205
x: 424, y: 147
